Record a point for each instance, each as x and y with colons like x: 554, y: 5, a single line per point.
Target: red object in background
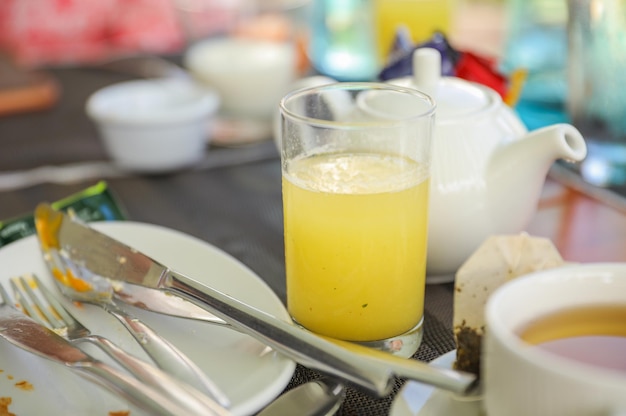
x: 69, y: 31
x: 472, y: 67
x: 42, y: 32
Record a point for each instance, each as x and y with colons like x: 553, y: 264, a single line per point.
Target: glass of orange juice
x: 355, y: 174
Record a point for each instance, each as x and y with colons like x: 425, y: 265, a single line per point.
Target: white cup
x: 521, y: 379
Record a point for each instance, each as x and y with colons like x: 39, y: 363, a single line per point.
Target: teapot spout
x: 517, y: 172
x: 560, y: 141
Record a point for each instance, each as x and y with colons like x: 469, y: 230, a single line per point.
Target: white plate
x: 415, y: 398
x: 250, y: 374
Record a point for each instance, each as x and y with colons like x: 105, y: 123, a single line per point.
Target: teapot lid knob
x: 426, y: 69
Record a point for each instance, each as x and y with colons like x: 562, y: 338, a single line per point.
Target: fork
x: 38, y: 302
x: 170, y: 398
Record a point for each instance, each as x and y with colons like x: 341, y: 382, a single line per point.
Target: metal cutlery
x: 139, y: 280
x: 165, y: 355
x: 320, y: 397
x: 40, y: 304
x: 24, y: 332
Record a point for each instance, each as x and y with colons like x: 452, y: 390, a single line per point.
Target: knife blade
x: 136, y: 275
x: 25, y: 333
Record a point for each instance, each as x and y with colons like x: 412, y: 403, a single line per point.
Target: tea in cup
x: 555, y: 343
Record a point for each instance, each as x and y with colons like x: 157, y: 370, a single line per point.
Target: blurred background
x: 542, y: 56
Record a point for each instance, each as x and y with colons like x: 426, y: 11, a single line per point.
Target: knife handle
x: 167, y: 357
x: 368, y: 368
x: 300, y: 345
x: 148, y: 398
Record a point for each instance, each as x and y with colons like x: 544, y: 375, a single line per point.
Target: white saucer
x: 250, y: 374
x: 417, y: 399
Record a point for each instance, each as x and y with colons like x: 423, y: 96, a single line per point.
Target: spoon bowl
x: 320, y: 397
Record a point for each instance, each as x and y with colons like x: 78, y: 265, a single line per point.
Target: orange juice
x: 355, y: 244
x: 421, y: 17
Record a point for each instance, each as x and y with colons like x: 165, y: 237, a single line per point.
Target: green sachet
x: 95, y: 203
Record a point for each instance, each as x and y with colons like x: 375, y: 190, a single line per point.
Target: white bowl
x: 250, y: 75
x: 155, y: 125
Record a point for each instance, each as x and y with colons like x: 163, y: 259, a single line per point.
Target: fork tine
x: 22, y: 301
x: 4, y: 297
x: 36, y: 306
x: 57, y: 307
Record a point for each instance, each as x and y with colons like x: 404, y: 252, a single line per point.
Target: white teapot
x: 487, y: 170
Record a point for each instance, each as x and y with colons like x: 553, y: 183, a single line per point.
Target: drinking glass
x: 355, y: 174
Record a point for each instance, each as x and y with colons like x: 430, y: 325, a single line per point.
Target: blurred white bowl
x: 250, y: 75
x: 154, y: 125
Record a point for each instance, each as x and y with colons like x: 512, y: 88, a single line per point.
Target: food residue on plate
x: 70, y: 280
x: 48, y: 222
x: 24, y: 385
x: 5, y: 402
x: 4, y: 406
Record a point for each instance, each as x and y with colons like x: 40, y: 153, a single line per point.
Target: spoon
x: 321, y: 397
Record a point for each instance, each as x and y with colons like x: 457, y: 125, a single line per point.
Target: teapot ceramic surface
x: 487, y: 170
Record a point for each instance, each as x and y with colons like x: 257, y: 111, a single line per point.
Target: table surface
x: 233, y: 201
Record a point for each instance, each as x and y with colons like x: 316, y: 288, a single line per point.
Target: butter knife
x: 137, y: 277
x: 23, y: 332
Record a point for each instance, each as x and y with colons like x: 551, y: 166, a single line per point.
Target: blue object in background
x: 535, y: 115
x: 343, y: 39
x: 401, y: 63
x: 537, y: 42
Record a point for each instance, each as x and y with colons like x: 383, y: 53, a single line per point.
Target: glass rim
x: 352, y: 86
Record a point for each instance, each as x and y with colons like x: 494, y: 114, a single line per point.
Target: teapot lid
x: 455, y: 97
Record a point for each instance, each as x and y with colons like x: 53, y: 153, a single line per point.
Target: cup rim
x: 347, y: 86
x: 496, y: 327
x: 202, y: 102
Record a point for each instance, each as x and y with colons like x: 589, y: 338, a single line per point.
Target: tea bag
x: 498, y: 260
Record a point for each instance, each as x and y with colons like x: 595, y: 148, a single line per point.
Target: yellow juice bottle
x: 355, y: 245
